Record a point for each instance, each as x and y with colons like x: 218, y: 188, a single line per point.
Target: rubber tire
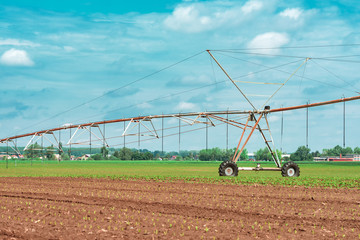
x: 224, y: 171
x: 290, y: 165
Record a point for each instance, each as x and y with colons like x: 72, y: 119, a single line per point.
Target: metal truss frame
x: 92, y: 133
x: 43, y: 135
x: 140, y: 122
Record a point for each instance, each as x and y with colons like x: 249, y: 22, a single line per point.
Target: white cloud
x: 266, y: 42
x: 200, y: 17
x: 251, y: 6
x: 293, y: 13
x: 144, y: 105
x: 15, y: 57
x: 188, y: 19
x: 69, y: 49
x: 186, y: 107
x: 17, y: 42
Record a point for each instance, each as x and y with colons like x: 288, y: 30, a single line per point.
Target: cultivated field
x: 176, y: 200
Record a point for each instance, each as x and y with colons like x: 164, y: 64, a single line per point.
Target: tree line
x: 214, y: 154
x: 304, y: 154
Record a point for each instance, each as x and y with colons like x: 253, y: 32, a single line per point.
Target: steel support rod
x: 124, y: 135
x: 42, y: 147
x: 179, y: 135
x: 139, y: 136
x: 344, y: 125
x: 231, y: 79
x: 282, y: 130
x: 307, y: 126
x: 103, y: 135
x: 248, y: 138
x: 90, y: 138
x: 227, y: 130
x: 207, y: 134
x: 59, y: 145
x: 242, y: 135
x: 7, y: 154
x: 162, y: 137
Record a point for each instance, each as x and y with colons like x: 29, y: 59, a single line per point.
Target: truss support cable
x: 231, y: 79
x: 265, y: 83
x: 307, y: 59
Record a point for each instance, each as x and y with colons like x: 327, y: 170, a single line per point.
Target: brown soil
x: 78, y: 208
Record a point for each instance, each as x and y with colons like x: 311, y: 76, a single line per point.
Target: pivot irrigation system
x: 254, y: 119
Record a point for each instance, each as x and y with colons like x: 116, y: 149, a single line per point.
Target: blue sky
x: 55, y: 55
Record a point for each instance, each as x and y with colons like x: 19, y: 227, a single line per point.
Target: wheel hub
x: 229, y: 171
x: 291, y: 172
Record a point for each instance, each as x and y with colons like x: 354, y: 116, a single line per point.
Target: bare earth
x: 80, y: 208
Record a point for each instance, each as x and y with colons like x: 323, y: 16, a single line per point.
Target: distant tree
x: 204, y: 155
x: 116, y: 154
x: 263, y: 154
x: 347, y: 151
x: 33, y: 151
x: 104, y: 152
x: 278, y: 153
x: 112, y: 158
x: 148, y: 156
x: 126, y: 154
x: 96, y: 156
x: 244, y: 155
x: 302, y: 154
x: 315, y: 154
x: 65, y: 157
x: 336, y: 151
x: 357, y: 150
x: 50, y: 151
x: 157, y: 153
x: 135, y: 156
x: 217, y: 154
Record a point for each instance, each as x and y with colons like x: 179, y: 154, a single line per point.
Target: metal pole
x: 70, y: 146
x: 42, y: 148
x: 124, y: 134
x: 307, y: 126
x: 104, y: 140
x: 90, y: 138
x: 16, y: 148
x: 59, y: 146
x: 344, y: 125
x: 7, y: 153
x: 104, y: 134
x: 139, y: 136
x: 207, y: 133
x: 162, y: 137
x: 282, y: 129
x: 179, y: 134
x: 227, y: 129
